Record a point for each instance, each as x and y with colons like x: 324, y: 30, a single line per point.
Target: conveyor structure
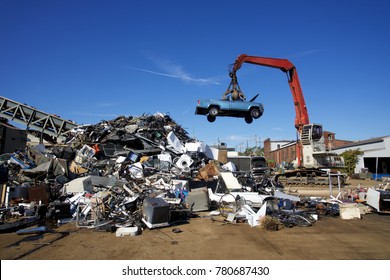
x: 34, y: 119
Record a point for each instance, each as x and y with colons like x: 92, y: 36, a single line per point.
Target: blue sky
x: 94, y: 60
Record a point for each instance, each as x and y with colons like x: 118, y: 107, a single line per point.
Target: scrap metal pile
x: 128, y: 174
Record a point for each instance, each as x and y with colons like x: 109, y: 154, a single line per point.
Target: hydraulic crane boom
x: 301, y: 113
x: 302, y: 116
x: 311, y: 152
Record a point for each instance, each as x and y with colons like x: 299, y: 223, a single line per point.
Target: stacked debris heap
x: 132, y: 173
x: 103, y: 173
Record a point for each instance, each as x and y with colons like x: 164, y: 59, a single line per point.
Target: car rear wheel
x: 255, y: 113
x: 211, y: 118
x: 213, y: 111
x: 248, y: 119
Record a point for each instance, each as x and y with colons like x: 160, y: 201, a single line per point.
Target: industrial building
x: 376, y: 157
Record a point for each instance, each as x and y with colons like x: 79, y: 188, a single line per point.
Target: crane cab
x: 314, y: 152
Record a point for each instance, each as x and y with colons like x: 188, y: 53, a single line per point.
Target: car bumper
x: 201, y: 111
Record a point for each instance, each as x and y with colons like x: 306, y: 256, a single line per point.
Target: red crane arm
x: 301, y: 113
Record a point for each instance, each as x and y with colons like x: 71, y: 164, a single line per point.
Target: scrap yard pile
x: 134, y: 173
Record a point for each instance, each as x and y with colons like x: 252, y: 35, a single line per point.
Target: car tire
x: 248, y: 119
x: 213, y: 111
x: 255, y: 113
x: 211, y: 118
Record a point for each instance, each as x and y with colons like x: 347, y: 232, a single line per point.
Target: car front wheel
x: 211, y: 118
x: 255, y: 113
x: 213, y: 111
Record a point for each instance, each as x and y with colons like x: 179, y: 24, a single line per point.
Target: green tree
x: 254, y: 151
x: 351, y: 158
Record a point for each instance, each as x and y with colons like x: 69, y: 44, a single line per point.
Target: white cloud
x: 237, y: 138
x: 187, y: 111
x: 309, y: 52
x: 172, y: 70
x: 106, y: 105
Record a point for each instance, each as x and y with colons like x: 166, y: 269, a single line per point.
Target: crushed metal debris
x: 135, y: 173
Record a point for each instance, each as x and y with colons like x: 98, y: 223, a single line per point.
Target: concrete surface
x: 329, y: 239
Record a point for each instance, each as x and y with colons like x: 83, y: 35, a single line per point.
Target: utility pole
x: 256, y: 141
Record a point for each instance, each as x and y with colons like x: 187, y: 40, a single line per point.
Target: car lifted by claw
x: 232, y: 104
x: 240, y: 109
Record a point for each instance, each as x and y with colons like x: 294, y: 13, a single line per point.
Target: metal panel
x: 379, y: 200
x: 198, y: 200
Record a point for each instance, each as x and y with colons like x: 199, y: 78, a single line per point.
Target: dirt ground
x: 203, y: 239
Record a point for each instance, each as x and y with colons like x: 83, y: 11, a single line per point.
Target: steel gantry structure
x: 34, y: 119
